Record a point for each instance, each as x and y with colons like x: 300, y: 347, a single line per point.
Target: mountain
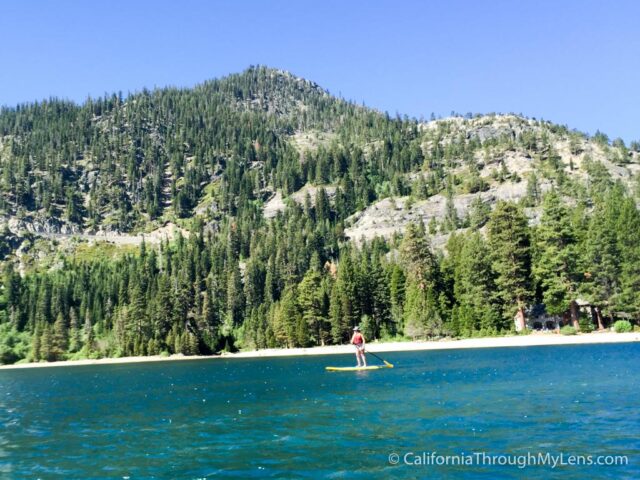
x: 118, y: 165
x: 258, y: 210
x: 499, y: 157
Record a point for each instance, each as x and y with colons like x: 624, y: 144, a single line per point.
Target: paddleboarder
x: 358, y: 341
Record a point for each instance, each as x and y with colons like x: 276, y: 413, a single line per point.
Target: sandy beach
x: 448, y: 344
x: 534, y: 339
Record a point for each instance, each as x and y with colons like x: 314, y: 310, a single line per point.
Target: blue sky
x: 572, y: 62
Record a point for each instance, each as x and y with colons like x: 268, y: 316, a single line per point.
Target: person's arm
x: 352, y: 337
x: 363, y: 341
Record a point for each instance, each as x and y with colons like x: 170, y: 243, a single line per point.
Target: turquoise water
x: 288, y: 418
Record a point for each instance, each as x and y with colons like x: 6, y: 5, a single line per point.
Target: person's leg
x: 358, y: 356
x: 364, y: 358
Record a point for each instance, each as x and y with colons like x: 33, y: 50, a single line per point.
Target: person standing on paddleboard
x: 358, y: 340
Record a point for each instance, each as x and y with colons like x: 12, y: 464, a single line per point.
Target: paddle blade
x: 388, y: 364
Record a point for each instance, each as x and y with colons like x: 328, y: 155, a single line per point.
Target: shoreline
x: 531, y: 340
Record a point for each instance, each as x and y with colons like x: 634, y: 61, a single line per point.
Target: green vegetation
x: 14, y: 345
x: 210, y: 157
x: 117, y: 164
x: 568, y: 330
x: 510, y: 245
x: 292, y: 282
x: 622, y: 326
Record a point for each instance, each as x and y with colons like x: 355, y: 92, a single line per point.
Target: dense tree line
x: 294, y: 281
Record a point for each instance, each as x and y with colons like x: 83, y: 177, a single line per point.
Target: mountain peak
x: 269, y: 90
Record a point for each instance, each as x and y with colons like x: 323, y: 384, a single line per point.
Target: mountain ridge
x: 258, y: 211
x: 276, y: 95
x: 257, y: 89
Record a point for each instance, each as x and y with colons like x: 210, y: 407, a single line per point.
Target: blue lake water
x: 288, y: 418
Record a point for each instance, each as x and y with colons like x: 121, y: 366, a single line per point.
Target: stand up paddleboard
x: 356, y: 369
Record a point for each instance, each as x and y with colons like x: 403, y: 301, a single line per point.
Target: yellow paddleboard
x: 357, y: 369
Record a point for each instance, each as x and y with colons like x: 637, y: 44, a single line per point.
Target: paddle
x: 385, y: 362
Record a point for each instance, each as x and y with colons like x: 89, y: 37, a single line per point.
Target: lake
x: 288, y: 418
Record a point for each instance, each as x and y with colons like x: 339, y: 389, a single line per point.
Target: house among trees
x: 589, y: 318
x: 539, y: 319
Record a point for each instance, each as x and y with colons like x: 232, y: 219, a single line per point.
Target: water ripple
x: 287, y: 418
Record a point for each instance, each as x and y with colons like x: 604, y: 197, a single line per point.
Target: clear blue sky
x: 573, y: 62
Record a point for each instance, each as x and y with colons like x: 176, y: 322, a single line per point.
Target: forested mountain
x: 117, y: 165
x: 301, y: 215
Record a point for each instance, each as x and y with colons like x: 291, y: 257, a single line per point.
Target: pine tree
x: 380, y: 299
x: 628, y: 230
x: 12, y: 287
x: 36, y: 343
x: 75, y: 339
x: 43, y: 308
x: 339, y: 328
x: 287, y: 320
x: 346, y: 285
x: 421, y: 309
x: 554, y: 265
x: 60, y: 340
x: 138, y: 320
x: 208, y: 324
x: 509, y: 242
x: 479, y: 213
x: 254, y: 284
x: 451, y: 220
x: 46, y: 344
x: 533, y: 196
x: 473, y: 288
x: 310, y: 299
x: 88, y: 336
x: 421, y: 314
x: 162, y: 308
x: 420, y: 262
x: 601, y: 260
x: 235, y: 296
x: 322, y: 206
x: 396, y: 293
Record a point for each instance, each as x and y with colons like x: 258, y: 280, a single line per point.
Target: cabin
x: 538, y: 319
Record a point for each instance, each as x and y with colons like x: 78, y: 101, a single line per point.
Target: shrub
x: 7, y: 355
x: 14, y: 345
x: 586, y: 325
x: 622, y: 326
x: 568, y: 330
